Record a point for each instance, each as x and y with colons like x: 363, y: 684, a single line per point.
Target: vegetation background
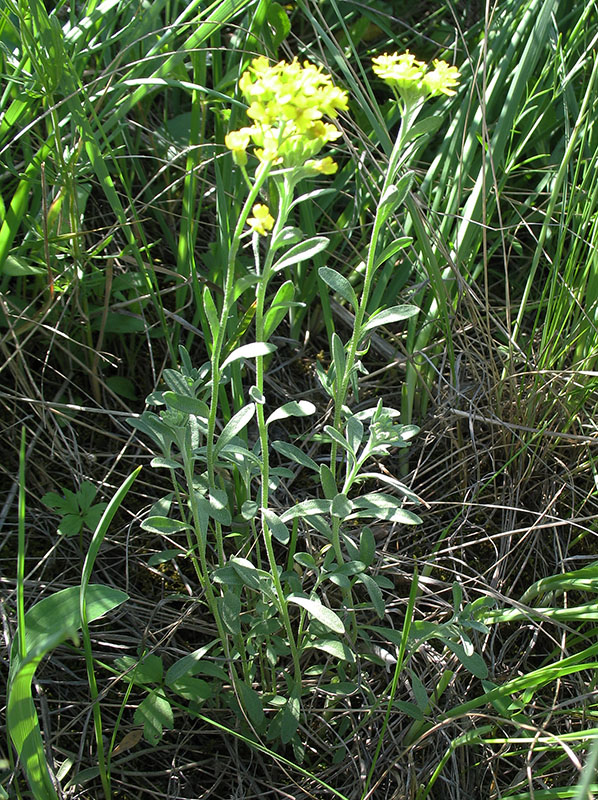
x: 118, y: 199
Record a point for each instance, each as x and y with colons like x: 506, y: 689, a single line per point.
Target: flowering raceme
x: 286, y: 103
x: 412, y: 80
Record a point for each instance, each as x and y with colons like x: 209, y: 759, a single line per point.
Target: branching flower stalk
x: 287, y: 102
x: 412, y: 84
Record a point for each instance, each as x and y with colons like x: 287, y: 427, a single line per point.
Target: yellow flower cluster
x: 287, y: 103
x: 412, y: 79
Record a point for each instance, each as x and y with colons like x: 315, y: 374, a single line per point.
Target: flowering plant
x: 291, y: 109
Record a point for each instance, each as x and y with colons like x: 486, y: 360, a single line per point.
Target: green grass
x: 306, y: 594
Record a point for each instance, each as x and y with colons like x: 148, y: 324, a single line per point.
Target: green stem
x: 261, y: 174
x: 410, y: 112
x: 22, y: 645
x: 201, y: 541
x: 285, y: 190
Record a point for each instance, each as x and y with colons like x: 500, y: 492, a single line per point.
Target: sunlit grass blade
x: 88, y: 565
x: 47, y: 624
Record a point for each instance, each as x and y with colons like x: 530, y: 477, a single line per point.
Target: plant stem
x: 285, y: 190
x: 394, y: 163
x: 261, y: 174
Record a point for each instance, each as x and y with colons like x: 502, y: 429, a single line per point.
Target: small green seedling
x: 76, y: 508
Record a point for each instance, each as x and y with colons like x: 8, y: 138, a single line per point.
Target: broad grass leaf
x: 319, y: 611
x: 16, y: 267
x: 47, y: 624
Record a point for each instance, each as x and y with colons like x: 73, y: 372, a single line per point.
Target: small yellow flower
x: 441, y: 79
x: 237, y: 141
x: 262, y: 221
x: 324, y: 165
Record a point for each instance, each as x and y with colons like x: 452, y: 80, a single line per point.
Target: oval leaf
x: 301, y: 252
x: 390, y: 315
x: 164, y: 525
x: 320, y: 612
x: 251, y: 350
x: 296, y: 408
x: 240, y: 420
x: 339, y: 284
